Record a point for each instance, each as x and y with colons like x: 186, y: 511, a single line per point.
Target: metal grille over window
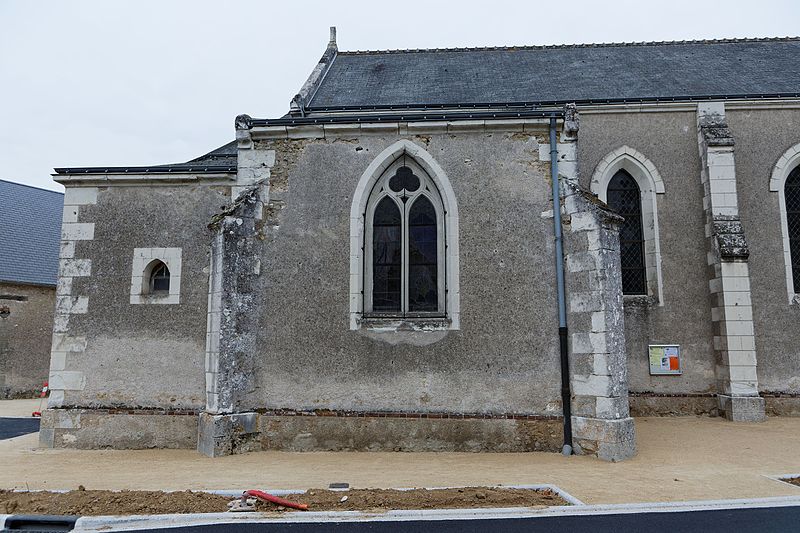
x: 791, y: 193
x: 624, y: 198
x: 159, y: 278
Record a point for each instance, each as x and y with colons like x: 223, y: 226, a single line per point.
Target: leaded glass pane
x: 159, y: 279
x: 422, y: 257
x: 624, y: 198
x: 386, y: 256
x: 791, y: 191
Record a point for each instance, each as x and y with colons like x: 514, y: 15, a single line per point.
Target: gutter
x: 558, y: 103
x: 166, y: 169
x: 566, y: 393
x: 408, y: 117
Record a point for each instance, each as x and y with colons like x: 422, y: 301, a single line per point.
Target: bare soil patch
x: 104, y: 502
x: 794, y: 481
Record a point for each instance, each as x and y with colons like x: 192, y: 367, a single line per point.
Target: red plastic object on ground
x: 45, y: 390
x: 261, y: 495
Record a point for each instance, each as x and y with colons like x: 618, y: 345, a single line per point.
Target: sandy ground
x: 21, y: 407
x: 679, y: 459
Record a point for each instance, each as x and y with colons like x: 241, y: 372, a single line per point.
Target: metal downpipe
x: 566, y: 394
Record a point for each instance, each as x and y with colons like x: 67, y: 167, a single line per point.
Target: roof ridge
x: 577, y: 45
x: 32, y: 187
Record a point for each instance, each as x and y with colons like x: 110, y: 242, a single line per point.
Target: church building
x: 484, y: 249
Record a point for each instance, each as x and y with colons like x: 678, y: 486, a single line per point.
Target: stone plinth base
x: 121, y: 429
x: 742, y: 408
x: 782, y: 405
x: 611, y: 440
x: 673, y: 405
x: 219, y: 435
x: 333, y: 431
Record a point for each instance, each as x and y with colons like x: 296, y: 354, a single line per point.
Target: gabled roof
x: 223, y: 159
x: 560, y: 74
x: 31, y: 234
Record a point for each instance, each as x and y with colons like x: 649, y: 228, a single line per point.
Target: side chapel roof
x: 31, y: 234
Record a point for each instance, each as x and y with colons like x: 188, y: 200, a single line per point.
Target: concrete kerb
x: 784, y: 478
x: 129, y: 523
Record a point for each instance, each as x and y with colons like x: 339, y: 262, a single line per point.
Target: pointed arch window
x: 159, y: 278
x: 404, y: 244
x: 791, y: 192
x: 625, y: 198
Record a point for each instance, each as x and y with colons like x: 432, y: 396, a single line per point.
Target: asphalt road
x: 14, y: 427
x: 762, y: 520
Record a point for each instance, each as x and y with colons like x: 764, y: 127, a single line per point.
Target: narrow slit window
x: 624, y: 198
x: 159, y: 278
x: 791, y: 191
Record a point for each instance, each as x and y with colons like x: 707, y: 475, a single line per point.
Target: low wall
x: 118, y: 429
x: 334, y: 431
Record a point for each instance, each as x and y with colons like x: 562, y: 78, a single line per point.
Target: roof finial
x: 332, y: 41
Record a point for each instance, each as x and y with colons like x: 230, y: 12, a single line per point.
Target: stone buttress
x: 729, y: 275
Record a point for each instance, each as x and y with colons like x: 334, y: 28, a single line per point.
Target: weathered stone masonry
x: 67, y: 302
x: 230, y: 425
x: 729, y: 284
x: 232, y: 323
x: 602, y: 425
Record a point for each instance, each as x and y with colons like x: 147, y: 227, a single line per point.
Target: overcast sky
x: 94, y: 83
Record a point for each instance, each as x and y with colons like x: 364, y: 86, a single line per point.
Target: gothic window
x: 156, y: 276
x: 404, y: 244
x: 624, y: 197
x: 159, y: 278
x: 791, y: 191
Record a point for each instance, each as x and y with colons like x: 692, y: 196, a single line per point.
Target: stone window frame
x: 650, y: 186
x: 432, y: 194
x: 786, y: 163
x: 377, y: 169
x: 143, y: 261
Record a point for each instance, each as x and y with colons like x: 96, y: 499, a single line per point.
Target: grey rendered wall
x: 761, y: 138
x: 669, y: 140
x: 141, y: 355
x: 25, y: 337
x: 505, y: 357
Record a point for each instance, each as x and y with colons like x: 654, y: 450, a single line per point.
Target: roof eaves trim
x: 411, y: 117
x: 171, y: 169
x: 26, y: 282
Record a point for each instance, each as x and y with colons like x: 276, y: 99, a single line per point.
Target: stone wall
x: 25, y: 335
x: 762, y: 136
x: 667, y: 136
x: 668, y: 139
x: 504, y: 357
x: 120, y: 354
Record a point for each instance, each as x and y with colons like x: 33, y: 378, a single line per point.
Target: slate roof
x: 560, y: 74
x: 223, y: 159
x: 31, y: 234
